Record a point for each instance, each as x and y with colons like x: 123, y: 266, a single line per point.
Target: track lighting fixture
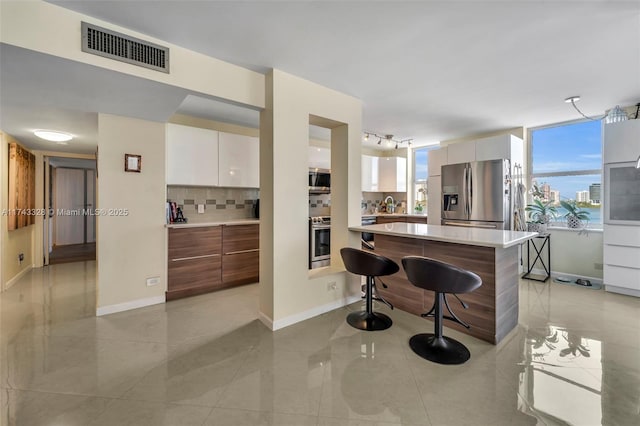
x: 388, y: 138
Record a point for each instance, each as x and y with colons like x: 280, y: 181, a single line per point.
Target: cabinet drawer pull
x: 194, y: 257
x: 243, y: 251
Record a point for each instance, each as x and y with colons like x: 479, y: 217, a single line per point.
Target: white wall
x: 131, y: 247
x: 573, y: 253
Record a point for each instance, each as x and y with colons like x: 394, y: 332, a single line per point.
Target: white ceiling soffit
x: 72, y: 163
x: 46, y: 92
x: 211, y: 109
x: 424, y: 70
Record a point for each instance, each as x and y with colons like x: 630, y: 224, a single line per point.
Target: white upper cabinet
x: 621, y: 141
x: 192, y: 156
x: 239, y: 161
x: 461, y: 152
x: 436, y: 159
x: 319, y: 158
x: 370, y: 173
x: 392, y: 174
x: 498, y: 147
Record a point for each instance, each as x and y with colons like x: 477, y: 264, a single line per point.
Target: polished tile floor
x: 574, y: 359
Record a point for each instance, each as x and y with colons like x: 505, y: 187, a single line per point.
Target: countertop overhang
x: 222, y: 222
x: 450, y: 234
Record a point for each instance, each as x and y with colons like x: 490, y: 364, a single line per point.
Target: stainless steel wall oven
x: 319, y: 241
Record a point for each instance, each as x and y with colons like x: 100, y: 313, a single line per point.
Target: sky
x: 568, y: 148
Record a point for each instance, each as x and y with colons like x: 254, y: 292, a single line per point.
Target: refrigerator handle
x: 470, y: 189
x: 464, y: 192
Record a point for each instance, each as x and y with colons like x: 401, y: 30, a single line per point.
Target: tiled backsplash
x: 319, y: 204
x: 371, y: 200
x: 219, y: 203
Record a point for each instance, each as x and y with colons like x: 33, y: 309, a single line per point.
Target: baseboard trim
x: 305, y: 315
x: 573, y: 277
x: 127, y: 306
x: 622, y: 290
x: 16, y: 278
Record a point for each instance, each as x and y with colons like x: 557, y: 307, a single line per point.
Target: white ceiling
x: 425, y: 70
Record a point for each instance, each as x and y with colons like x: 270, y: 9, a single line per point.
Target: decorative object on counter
x: 174, y: 213
x: 132, y: 163
x: 575, y: 215
x: 389, y: 204
x: 421, y: 201
x: 441, y: 278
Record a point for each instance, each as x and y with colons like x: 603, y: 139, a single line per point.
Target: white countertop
x: 223, y: 222
x: 450, y: 234
x: 394, y: 215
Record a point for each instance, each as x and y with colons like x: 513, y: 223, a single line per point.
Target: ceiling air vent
x: 110, y: 44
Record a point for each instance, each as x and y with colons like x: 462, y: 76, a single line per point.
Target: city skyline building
x: 594, y: 193
x: 582, y: 196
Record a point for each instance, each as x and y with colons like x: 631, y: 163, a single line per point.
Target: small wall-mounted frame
x: 132, y: 163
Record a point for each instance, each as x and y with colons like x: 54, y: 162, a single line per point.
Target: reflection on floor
x: 72, y: 253
x: 207, y: 360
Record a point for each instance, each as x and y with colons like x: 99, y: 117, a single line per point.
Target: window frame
x: 531, y: 175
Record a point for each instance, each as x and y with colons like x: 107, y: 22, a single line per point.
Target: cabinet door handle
x: 243, y: 251
x: 194, y: 257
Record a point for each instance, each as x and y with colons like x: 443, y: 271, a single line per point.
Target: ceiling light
x: 572, y: 99
x: 388, y: 138
x: 52, y: 135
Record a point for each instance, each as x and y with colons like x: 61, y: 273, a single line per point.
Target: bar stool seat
x: 441, y: 278
x: 370, y: 265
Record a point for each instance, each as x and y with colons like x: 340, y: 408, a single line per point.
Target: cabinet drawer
x: 199, y: 275
x: 241, y: 268
x: 413, y: 219
x: 622, y: 256
x: 622, y: 235
x: 192, y: 242
x: 622, y: 277
x: 383, y: 219
x: 237, y: 238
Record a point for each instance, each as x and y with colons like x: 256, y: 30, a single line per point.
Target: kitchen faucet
x: 390, y: 207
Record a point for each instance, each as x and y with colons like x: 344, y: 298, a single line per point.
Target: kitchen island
x: 490, y: 253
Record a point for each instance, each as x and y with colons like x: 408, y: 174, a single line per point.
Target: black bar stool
x: 441, y: 278
x: 371, y: 265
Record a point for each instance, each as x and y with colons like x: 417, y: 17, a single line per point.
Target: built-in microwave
x: 319, y: 181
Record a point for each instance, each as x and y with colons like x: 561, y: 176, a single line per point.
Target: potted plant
x: 540, y: 214
x: 574, y: 215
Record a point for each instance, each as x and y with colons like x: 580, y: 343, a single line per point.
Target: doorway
x: 70, y: 228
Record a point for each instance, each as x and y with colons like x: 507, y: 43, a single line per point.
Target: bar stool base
x: 369, y: 322
x: 444, y: 350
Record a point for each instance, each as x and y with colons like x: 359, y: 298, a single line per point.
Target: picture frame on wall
x: 132, y: 163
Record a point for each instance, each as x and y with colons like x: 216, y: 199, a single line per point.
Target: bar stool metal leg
x: 436, y: 347
x: 367, y: 319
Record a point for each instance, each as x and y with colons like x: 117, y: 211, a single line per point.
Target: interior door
x: 90, y: 204
x: 69, y: 205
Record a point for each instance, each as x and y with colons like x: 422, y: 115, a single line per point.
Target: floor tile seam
x: 223, y: 391
x: 415, y: 382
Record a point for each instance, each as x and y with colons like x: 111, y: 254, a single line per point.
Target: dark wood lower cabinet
x: 209, y: 258
x: 188, y: 277
x: 241, y: 268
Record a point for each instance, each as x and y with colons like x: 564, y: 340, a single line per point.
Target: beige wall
x: 13, y: 242
x: 130, y: 248
x: 289, y: 292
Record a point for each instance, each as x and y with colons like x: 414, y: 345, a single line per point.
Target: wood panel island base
x: 492, y: 254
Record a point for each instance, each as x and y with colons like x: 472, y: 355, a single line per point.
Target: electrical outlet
x: 21, y: 257
x: 331, y: 286
x: 153, y: 281
x: 200, y: 208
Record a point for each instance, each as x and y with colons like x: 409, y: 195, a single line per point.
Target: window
x: 566, y: 164
x: 420, y: 175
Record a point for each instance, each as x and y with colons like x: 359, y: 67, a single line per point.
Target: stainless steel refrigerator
x: 477, y: 194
